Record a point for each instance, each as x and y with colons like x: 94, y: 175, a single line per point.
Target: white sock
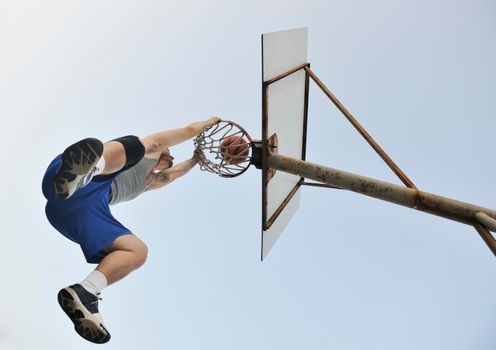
x: 99, y: 167
x: 95, y: 282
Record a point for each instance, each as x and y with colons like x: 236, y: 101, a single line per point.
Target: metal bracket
x: 272, y: 149
x: 256, y: 159
x: 317, y: 184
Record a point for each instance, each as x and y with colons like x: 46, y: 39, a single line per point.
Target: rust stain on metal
x: 265, y: 112
x: 285, y: 202
x: 417, y: 199
x: 285, y: 74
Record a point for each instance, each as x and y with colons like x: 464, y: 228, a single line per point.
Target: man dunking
x: 79, y: 186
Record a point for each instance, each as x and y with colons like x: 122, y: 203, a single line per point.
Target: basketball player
x: 79, y: 186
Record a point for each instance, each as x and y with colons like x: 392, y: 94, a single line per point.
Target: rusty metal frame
x: 395, y: 168
x: 482, y: 219
x: 266, y: 151
x: 318, y: 184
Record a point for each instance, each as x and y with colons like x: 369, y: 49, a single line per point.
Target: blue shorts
x: 84, y: 217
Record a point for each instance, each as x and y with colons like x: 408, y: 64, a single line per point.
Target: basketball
x: 234, y: 149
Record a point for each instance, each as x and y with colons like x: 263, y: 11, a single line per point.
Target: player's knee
x: 141, y: 253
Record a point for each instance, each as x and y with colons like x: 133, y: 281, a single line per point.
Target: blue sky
x: 350, y: 272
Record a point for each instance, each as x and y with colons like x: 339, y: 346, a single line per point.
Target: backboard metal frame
x: 267, y: 146
x: 285, y: 90
x: 286, y: 58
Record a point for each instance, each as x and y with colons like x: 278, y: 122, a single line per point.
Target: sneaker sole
x: 77, y: 161
x: 85, y: 324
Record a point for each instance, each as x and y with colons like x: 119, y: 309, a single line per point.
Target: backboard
x: 284, y: 121
x: 281, y: 152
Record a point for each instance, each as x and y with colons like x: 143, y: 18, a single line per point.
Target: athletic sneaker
x: 77, y: 167
x: 82, y: 308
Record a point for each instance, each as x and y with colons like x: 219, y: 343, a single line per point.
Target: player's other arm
x: 159, y: 142
x: 165, y: 177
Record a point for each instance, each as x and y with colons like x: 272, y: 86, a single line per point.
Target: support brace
x: 423, y: 201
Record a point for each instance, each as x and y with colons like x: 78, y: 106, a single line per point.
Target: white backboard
x: 284, y: 114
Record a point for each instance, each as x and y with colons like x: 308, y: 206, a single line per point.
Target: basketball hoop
x: 211, y: 149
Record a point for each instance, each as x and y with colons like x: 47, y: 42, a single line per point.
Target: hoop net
x: 212, y: 153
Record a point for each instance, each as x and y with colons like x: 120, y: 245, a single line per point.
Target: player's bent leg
x: 127, y: 253
x: 87, y: 158
x: 123, y: 152
x: 115, y: 157
x: 78, y: 163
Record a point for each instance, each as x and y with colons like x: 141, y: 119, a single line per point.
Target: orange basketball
x: 234, y: 149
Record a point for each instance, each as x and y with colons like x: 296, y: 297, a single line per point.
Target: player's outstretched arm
x: 159, y: 142
x: 164, y: 177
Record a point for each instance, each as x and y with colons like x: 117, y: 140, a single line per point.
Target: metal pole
x: 486, y: 236
x: 486, y: 220
x: 408, y: 197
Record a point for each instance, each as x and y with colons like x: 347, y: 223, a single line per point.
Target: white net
x: 224, y: 149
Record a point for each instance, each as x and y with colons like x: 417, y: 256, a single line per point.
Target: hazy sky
x: 350, y: 272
